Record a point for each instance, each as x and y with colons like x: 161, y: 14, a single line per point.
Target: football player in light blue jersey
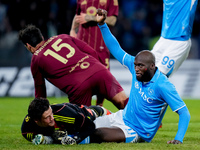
x: 151, y: 93
x: 174, y: 44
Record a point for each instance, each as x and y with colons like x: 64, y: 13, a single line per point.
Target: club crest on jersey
x: 27, y: 119
x: 150, y: 91
x: 136, y: 85
x: 91, y: 10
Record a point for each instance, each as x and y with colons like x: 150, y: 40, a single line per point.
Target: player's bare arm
x: 111, y: 20
x: 84, y: 18
x: 74, y: 27
x: 101, y: 16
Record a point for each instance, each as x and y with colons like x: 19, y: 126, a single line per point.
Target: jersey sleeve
x: 112, y: 43
x: 39, y: 81
x: 184, y: 119
x: 171, y: 96
x: 27, y: 129
x: 115, y: 48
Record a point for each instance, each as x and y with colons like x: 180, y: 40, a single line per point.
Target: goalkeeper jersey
x: 68, y: 117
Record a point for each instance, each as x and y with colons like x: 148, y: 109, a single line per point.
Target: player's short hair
x: 31, y: 35
x: 37, y: 107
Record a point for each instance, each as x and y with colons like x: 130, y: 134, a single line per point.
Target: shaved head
x: 146, y: 56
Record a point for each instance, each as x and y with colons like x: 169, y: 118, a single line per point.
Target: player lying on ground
x: 47, y: 124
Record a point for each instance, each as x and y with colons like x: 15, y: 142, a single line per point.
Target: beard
x: 145, y: 77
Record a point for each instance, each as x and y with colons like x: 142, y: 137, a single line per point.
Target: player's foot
x: 160, y: 125
x: 99, y: 111
x: 106, y: 111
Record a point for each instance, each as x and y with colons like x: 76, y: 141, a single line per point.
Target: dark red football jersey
x: 90, y: 32
x: 65, y: 62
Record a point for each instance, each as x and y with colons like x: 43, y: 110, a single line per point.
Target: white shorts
x: 116, y: 120
x: 170, y: 54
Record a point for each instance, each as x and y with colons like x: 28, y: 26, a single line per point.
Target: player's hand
x: 174, y: 142
x: 67, y: 140
x: 40, y: 139
x: 101, y: 16
x: 58, y: 134
x: 81, y: 19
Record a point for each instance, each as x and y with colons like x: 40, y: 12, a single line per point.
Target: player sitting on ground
x: 151, y: 93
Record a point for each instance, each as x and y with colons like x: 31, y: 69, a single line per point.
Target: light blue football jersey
x: 148, y: 102
x: 178, y: 18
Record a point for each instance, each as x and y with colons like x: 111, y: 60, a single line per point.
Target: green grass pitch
x: 13, y: 110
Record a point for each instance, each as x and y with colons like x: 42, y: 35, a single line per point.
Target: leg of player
x: 120, y: 100
x: 99, y: 110
x: 100, y: 100
x: 113, y: 134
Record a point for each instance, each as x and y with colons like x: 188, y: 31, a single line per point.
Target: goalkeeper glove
x: 67, y: 140
x: 40, y: 139
x: 58, y: 135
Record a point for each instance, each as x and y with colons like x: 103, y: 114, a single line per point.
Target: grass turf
x: 13, y: 111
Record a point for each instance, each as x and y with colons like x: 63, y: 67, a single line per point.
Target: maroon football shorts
x: 101, y: 83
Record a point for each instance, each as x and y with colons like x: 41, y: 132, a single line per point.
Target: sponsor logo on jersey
x: 29, y: 136
x: 81, y: 63
x: 143, y: 95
